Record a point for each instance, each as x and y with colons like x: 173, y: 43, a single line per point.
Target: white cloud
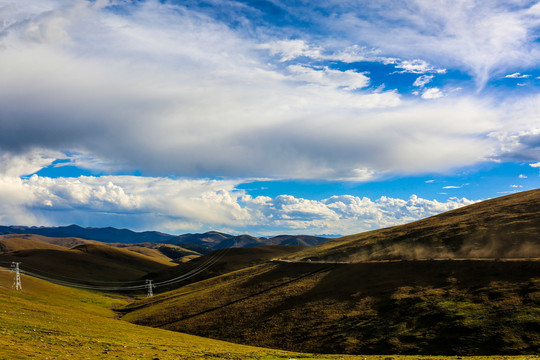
x: 429, y: 181
x: 292, y: 49
x: 162, y: 81
x: 418, y: 66
x: 178, y: 205
x: 451, y: 187
x: 348, y: 80
x: 432, y: 93
x: 521, y: 176
x: 481, y: 37
x: 517, y: 76
x: 535, y: 165
x: 15, y: 165
x: 422, y: 80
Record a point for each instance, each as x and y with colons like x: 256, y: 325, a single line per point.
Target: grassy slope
x: 63, y: 242
x: 88, y: 263
x: 418, y: 307
x: 16, y: 244
x: 55, y: 322
x: 166, y: 252
x: 503, y: 227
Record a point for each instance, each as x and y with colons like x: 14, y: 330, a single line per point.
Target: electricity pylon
x: 149, y: 286
x: 17, y: 279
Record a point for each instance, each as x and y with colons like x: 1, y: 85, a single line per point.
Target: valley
x: 463, y: 283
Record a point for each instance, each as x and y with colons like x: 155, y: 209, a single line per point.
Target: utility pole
x: 17, y: 280
x: 149, y: 286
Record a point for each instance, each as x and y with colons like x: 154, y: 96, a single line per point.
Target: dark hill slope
x: 505, y: 227
x: 217, y: 240
x: 448, y: 307
x: 220, y: 262
x: 300, y: 240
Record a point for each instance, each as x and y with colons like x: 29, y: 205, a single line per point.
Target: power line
x: 148, y: 285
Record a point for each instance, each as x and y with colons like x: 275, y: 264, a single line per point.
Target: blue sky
x: 264, y: 117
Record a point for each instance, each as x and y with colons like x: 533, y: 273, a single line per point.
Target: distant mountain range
x: 108, y: 234
x: 199, y: 242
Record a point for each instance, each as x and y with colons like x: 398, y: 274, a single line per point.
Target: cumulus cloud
x: 178, y: 205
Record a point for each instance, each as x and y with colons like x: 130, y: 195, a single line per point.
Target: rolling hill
x: 505, y: 227
x: 400, y: 290
x: 90, y: 263
x: 63, y: 242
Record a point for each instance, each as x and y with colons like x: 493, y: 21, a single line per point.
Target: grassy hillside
x: 505, y: 227
x: 63, y: 242
x: 160, y: 252
x: 12, y: 244
x: 408, y: 307
x: 87, y: 263
x: 55, y: 322
x: 165, y: 252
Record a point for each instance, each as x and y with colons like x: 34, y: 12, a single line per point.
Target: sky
x: 266, y: 116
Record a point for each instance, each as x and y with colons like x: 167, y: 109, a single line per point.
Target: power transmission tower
x: 17, y: 280
x: 149, y: 286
